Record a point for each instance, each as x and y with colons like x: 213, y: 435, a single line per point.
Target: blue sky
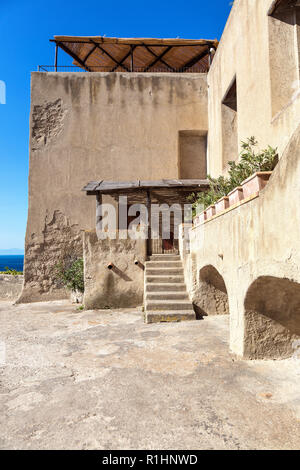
x: 25, y: 29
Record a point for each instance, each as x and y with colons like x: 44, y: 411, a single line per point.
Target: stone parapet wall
x: 252, y: 254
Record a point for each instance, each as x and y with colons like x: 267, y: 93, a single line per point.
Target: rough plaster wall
x: 210, y: 296
x: 47, y: 122
x: 229, y: 136
x: 84, y: 127
x: 58, y: 240
x: 244, y: 51
x: 283, y: 52
x: 206, y: 289
x: 272, y: 318
x: 120, y: 287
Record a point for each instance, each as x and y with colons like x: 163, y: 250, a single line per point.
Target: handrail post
x: 56, y: 52
x: 131, y: 65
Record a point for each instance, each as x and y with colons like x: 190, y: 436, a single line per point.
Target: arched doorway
x: 211, y: 295
x: 272, y: 318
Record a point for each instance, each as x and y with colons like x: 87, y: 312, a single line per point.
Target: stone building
x: 158, y: 115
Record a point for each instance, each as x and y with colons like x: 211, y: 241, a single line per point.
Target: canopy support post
x: 98, y: 212
x: 55, y: 60
x: 131, y: 54
x: 149, y: 223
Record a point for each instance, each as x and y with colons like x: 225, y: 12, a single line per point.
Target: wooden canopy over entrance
x: 161, y: 191
x: 102, y: 54
x: 148, y: 192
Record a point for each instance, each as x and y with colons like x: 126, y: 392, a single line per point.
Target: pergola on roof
x: 102, y: 54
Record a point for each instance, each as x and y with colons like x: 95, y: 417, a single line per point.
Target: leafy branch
x: 250, y: 161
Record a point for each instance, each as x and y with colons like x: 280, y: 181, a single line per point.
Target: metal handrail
x: 100, y: 68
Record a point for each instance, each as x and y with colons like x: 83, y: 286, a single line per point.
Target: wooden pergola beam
x: 195, y: 59
x: 158, y: 58
x: 72, y: 54
x: 89, y: 53
x: 110, y: 56
x: 124, y: 58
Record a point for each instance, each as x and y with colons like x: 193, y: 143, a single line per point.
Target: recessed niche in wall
x: 284, y: 36
x: 192, y: 154
x: 229, y: 124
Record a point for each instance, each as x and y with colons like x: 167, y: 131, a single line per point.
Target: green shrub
x: 249, y: 162
x: 69, y: 273
x: 12, y: 272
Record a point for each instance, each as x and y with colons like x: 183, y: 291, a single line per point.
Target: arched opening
x: 211, y: 295
x: 272, y: 318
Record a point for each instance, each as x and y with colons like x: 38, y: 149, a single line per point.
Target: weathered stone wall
x: 119, y: 287
x: 10, y: 286
x: 57, y: 242
x: 255, y: 248
x: 266, y: 67
x: 114, y: 126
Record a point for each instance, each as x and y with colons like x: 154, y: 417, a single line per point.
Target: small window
x: 229, y: 125
x: 192, y: 154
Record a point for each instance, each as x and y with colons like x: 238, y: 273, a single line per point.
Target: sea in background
x: 12, y: 261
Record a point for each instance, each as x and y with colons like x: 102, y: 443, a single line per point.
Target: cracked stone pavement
x: 106, y: 380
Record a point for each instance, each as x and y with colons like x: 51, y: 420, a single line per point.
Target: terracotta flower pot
x: 210, y: 212
x: 236, y: 196
x: 255, y: 183
x: 202, y: 217
x: 222, y: 204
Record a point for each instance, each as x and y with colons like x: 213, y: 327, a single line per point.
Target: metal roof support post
x: 149, y: 222
x: 55, y: 61
x: 131, y: 54
x: 98, y: 212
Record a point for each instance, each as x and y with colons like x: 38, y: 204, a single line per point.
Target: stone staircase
x: 166, y: 298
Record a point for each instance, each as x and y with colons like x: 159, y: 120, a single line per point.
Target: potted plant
x: 69, y: 273
x: 255, y: 183
x: 235, y: 196
x: 248, y: 176
x: 202, y: 217
x: 222, y: 204
x: 210, y: 211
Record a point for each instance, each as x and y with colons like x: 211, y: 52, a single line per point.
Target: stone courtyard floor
x: 105, y: 380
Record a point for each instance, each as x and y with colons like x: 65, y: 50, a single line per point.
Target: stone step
x: 169, y: 316
x: 164, y: 258
x: 163, y: 264
x: 167, y: 296
x: 150, y: 278
x: 165, y: 287
x: 168, y: 305
x: 163, y: 271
